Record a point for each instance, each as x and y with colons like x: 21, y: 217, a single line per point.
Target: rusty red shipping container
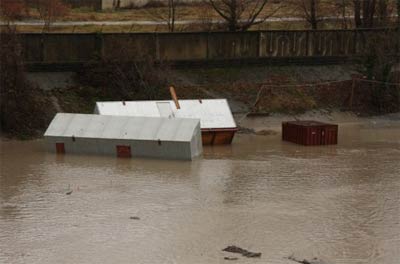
x: 218, y: 136
x: 310, y: 133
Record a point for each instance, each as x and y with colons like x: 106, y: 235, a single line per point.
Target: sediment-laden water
x: 338, y: 203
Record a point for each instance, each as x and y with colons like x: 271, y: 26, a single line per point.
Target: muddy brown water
x: 338, y: 203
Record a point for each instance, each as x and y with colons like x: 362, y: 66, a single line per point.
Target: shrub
x: 13, y: 9
x: 25, y: 109
x: 118, y: 79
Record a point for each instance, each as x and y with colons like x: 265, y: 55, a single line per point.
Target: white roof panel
x: 213, y: 113
x: 122, y: 127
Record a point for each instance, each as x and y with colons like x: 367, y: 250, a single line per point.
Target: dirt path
x: 146, y: 22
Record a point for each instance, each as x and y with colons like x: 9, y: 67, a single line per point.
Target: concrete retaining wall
x: 201, y: 46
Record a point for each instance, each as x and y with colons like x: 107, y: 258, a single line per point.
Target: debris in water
x: 69, y: 193
x: 244, y: 252
x: 230, y: 258
x: 245, y: 130
x: 265, y: 132
x: 134, y: 218
x: 305, y: 261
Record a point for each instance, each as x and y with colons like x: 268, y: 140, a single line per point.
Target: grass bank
x: 261, y: 90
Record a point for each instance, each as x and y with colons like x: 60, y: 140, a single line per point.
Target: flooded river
x: 338, y: 203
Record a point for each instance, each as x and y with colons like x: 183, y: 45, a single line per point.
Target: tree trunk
x: 233, y: 23
x: 383, y: 12
x: 313, y: 15
x: 171, y: 15
x: 398, y: 14
x: 344, y: 23
x: 369, y: 7
x: 357, y: 13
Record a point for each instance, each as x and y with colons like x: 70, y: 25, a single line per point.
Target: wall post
x: 355, y: 40
x: 157, y: 40
x: 42, y: 48
x: 100, y: 46
x: 260, y: 38
x: 208, y: 46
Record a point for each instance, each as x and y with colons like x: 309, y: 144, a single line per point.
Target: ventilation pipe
x: 174, y: 97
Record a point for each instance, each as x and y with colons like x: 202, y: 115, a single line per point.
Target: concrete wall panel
x: 188, y: 46
x: 61, y: 48
x: 69, y: 48
x: 129, y: 46
x: 233, y: 45
x: 32, y: 47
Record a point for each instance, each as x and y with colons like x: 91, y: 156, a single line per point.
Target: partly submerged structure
x: 123, y: 136
x: 216, y: 120
x: 310, y: 133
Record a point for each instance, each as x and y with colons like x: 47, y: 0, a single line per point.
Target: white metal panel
x: 165, y: 109
x: 114, y: 128
x: 122, y: 127
x: 213, y: 113
x: 59, y: 125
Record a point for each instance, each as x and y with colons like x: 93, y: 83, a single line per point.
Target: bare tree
x: 368, y: 10
x: 342, y: 8
x: 50, y: 10
x: 309, y: 10
x: 12, y: 10
x: 311, y: 13
x: 240, y: 15
x: 116, y: 4
x: 357, y: 13
x: 168, y: 16
x: 398, y: 14
x: 383, y: 12
x: 25, y: 109
x: 370, y: 13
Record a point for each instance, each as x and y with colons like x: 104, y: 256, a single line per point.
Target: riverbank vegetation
x: 258, y: 89
x: 25, y: 109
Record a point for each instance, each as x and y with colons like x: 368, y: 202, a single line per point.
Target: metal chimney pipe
x: 174, y: 97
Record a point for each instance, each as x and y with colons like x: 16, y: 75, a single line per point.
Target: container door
x: 314, y: 136
x: 165, y: 110
x: 60, y: 148
x: 323, y: 137
x: 207, y: 137
x: 331, y: 136
x: 223, y: 137
x: 124, y: 151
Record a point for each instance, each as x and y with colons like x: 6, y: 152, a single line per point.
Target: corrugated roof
x: 122, y: 127
x: 213, y: 113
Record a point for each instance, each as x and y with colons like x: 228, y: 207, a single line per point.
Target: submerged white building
x: 125, y: 136
x: 216, y: 120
